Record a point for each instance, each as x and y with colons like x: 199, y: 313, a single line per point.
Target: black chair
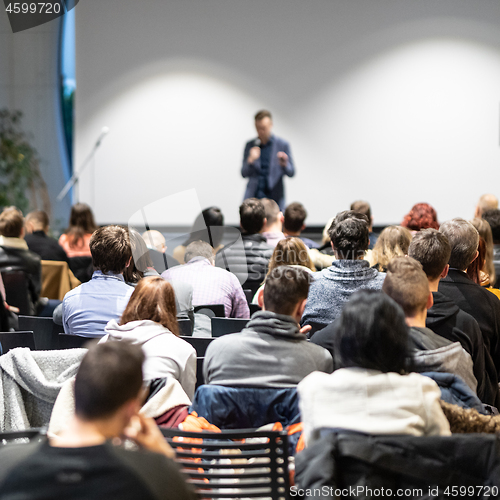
x: 223, y: 326
x: 254, y: 308
x: 231, y: 466
x: 200, y: 379
x: 217, y: 309
x: 45, y: 331
x: 248, y: 294
x: 17, y: 291
x: 29, y: 434
x: 81, y: 267
x: 73, y: 341
x: 185, y: 327
x: 11, y: 340
x: 199, y: 343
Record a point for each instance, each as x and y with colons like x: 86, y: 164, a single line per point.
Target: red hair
x: 421, y: 216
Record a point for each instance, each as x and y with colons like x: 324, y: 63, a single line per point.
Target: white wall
x: 29, y: 82
x: 393, y: 101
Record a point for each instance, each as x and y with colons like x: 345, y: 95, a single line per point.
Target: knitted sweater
x: 333, y: 287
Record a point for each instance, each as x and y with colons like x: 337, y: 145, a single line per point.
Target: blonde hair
x: 484, y: 230
x: 290, y: 252
x: 393, y: 241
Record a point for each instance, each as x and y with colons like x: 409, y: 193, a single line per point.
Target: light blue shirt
x: 87, y: 309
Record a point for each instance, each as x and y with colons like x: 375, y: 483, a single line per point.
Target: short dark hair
x: 285, y: 287
x: 110, y: 248
x: 295, y: 215
x: 362, y: 207
x: 432, y: 249
x: 38, y: 216
x: 252, y: 215
x: 407, y: 284
x: 11, y: 222
x: 492, y: 217
x: 464, y: 241
x: 199, y: 249
x: 271, y: 209
x: 349, y: 234
x: 109, y: 375
x: 263, y: 113
x: 371, y: 333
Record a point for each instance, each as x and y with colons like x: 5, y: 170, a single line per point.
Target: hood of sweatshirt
x: 278, y: 325
x: 137, y: 332
x: 442, y: 310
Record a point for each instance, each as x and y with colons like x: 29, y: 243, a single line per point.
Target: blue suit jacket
x: 276, y: 172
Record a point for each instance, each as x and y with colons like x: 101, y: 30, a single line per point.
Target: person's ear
x: 303, y: 227
x: 445, y: 271
x: 264, y: 224
x: 23, y: 232
x: 281, y: 217
x: 128, y: 263
x: 430, y: 301
x: 260, y: 299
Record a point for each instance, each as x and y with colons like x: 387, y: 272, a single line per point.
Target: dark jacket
x: 18, y: 259
x: 44, y: 246
x: 275, y: 175
x: 482, y: 305
x: 248, y: 259
x: 496, y: 264
x: 447, y: 320
x: 343, y: 460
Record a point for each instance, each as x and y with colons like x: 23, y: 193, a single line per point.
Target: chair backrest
x: 29, y: 434
x: 185, y: 327
x: 56, y: 279
x: 72, y: 341
x: 223, y: 326
x: 45, y: 331
x: 248, y: 294
x: 11, y: 340
x: 238, y: 464
x: 17, y: 291
x: 199, y: 343
x: 217, y: 309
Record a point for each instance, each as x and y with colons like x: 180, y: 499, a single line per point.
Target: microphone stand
x: 76, y: 175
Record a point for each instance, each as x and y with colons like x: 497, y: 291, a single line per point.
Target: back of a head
x: 362, y: 207
x: 295, y: 216
x: 290, y: 252
x: 39, y: 219
x: 392, y: 242
x: 492, y: 217
x: 82, y: 218
x: 11, y: 222
x: 208, y: 226
x: 464, y: 240
x: 285, y: 288
x: 371, y: 333
x: 140, y: 253
x: 263, y: 113
x: 109, y: 375
x: 154, y: 240
x: 432, y: 249
x: 271, y: 210
x: 153, y: 299
x: 407, y: 284
x: 252, y: 215
x: 487, y: 202
x: 421, y: 216
x: 199, y: 249
x: 349, y: 234
x: 110, y: 249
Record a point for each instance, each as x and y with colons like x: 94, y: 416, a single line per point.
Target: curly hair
x: 466, y: 420
x: 421, y: 216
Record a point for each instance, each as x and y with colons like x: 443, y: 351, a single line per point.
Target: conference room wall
x: 393, y: 101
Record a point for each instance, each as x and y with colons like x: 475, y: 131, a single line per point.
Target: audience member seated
x: 294, y: 223
x: 469, y: 296
x: 250, y: 261
x: 421, y: 216
x: 15, y: 255
x: 271, y: 351
x: 486, y: 272
x: 155, y: 241
x: 432, y: 249
x: 84, y: 460
x: 211, y: 285
x: 207, y: 227
x: 392, y: 242
x: 407, y: 284
x: 363, y: 207
x: 373, y: 393
x: 333, y: 286
x: 88, y: 308
x: 486, y: 202
x: 273, y: 229
x: 149, y: 320
x: 141, y: 266
x: 492, y: 217
x: 38, y: 239
x: 75, y: 240
x: 288, y: 252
